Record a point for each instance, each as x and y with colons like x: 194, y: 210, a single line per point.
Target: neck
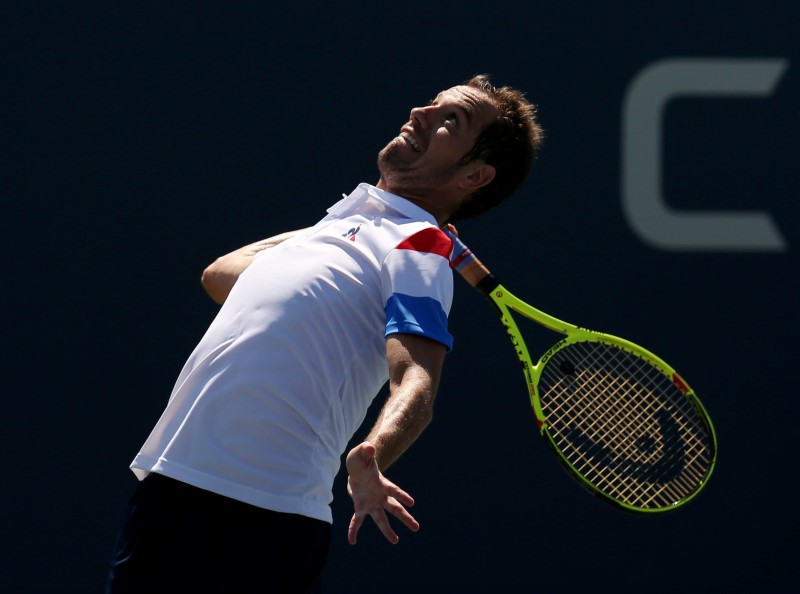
x: 433, y: 201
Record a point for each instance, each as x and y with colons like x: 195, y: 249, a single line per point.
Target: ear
x: 479, y: 175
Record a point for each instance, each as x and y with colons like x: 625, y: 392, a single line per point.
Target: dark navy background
x: 142, y: 140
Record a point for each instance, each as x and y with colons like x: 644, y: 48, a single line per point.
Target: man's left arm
x: 415, y: 366
x: 220, y: 276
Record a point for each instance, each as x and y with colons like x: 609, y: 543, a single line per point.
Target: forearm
x: 220, y: 276
x: 415, y: 365
x: 406, y: 414
x: 414, y: 370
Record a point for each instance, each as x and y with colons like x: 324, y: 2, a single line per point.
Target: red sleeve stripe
x: 430, y: 240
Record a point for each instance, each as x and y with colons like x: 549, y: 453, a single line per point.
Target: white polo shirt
x: 269, y: 399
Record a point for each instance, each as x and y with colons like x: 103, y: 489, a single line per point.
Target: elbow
x: 213, y: 285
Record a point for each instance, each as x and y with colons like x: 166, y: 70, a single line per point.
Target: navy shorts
x: 177, y: 538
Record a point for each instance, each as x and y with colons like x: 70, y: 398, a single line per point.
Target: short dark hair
x: 509, y: 144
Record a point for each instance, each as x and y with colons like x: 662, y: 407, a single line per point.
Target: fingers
x: 382, y: 522
x: 400, y: 495
x: 373, y: 495
x: 396, y: 502
x: 402, y: 514
x: 352, y: 531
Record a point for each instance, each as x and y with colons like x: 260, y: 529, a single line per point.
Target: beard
x: 402, y: 169
x: 391, y: 157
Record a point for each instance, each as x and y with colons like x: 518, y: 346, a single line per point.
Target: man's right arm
x: 220, y: 276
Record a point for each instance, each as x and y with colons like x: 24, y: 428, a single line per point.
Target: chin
x: 395, y: 155
x: 394, y: 146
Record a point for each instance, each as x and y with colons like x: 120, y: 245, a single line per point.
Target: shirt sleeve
x: 418, y: 286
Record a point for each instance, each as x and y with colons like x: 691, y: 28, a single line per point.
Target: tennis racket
x: 621, y: 421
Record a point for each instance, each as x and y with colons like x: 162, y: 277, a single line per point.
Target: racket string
x: 624, y: 425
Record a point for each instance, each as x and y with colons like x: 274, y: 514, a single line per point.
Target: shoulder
x: 428, y: 240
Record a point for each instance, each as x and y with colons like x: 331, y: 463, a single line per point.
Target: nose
x: 419, y: 116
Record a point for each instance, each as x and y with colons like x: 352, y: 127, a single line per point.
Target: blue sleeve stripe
x: 406, y: 314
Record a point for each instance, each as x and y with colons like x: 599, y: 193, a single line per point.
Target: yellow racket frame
x: 477, y: 275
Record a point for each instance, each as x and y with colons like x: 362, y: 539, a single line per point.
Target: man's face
x: 427, y: 153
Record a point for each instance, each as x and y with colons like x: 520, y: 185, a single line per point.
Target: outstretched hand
x: 373, y: 495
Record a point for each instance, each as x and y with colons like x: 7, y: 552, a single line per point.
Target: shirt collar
x: 403, y: 206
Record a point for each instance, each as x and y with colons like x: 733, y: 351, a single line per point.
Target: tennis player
x: 236, y: 476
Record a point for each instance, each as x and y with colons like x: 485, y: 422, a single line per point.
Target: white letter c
x: 643, y: 205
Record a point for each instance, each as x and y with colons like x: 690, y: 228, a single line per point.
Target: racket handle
x: 467, y: 265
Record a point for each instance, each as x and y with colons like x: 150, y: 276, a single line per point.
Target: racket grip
x: 468, y: 266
